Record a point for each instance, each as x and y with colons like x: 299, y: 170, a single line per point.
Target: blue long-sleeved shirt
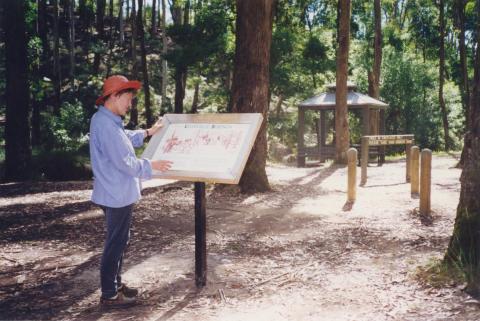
x: 116, y: 169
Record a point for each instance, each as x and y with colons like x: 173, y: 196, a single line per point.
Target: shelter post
x: 301, y: 131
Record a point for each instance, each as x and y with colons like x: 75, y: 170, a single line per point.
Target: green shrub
x: 59, y: 165
x: 68, y: 131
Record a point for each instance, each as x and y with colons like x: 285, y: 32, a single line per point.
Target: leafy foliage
x: 68, y: 131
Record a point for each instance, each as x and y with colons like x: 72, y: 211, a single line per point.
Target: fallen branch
x: 6, y: 258
x: 268, y: 280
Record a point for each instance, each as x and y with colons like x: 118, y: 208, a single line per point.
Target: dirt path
x: 295, y: 253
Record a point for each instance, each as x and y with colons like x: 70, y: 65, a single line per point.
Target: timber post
x: 301, y: 155
x: 425, y: 181
x: 414, y: 170
x: 408, y: 146
x: 352, y: 174
x: 364, y: 160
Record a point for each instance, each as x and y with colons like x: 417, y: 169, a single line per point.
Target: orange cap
x: 115, y: 84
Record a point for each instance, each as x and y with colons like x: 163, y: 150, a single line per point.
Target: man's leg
x: 118, y: 229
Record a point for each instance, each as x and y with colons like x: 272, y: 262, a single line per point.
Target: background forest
x: 183, y: 52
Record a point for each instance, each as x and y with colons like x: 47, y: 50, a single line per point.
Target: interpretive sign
x: 205, y: 147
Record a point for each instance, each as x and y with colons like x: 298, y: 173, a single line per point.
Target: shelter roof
x: 354, y: 99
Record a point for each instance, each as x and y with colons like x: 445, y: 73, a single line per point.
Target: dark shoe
x: 119, y: 300
x: 127, y: 292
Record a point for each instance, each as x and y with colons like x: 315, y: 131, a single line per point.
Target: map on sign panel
x: 205, y: 147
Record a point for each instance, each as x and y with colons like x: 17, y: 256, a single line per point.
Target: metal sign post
x: 200, y: 235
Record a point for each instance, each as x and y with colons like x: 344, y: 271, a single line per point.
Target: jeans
x: 118, y: 222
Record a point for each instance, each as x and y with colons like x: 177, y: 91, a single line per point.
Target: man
x: 117, y: 173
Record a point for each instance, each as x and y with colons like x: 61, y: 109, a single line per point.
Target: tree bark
x: 146, y: 81
x: 374, y: 75
x: 278, y: 107
x: 44, y: 70
x: 195, y: 98
x: 100, y: 25
x: 441, y: 99
x: 164, y: 53
x: 186, y: 13
x: 17, y: 131
x: 180, y: 70
x: 43, y: 35
x: 57, y: 77
x: 153, y: 29
x: 121, y: 24
x: 110, y: 13
x: 71, y: 17
x: 180, y: 84
x: 464, y: 85
x: 176, y: 12
x: 133, y: 122
x: 342, y: 132
x: 464, y: 247
x: 250, y: 85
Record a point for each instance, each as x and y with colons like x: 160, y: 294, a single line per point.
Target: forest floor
x: 298, y: 252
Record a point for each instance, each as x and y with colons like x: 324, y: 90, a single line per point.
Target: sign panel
x: 205, y: 147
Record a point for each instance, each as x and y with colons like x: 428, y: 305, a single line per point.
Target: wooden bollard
x: 408, y: 160
x: 352, y: 174
x: 414, y: 168
x: 364, y: 160
x: 425, y: 181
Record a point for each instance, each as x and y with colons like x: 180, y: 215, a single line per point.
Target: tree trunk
x: 176, y: 12
x: 464, y: 247
x: 164, y: 52
x: 44, y: 70
x: 465, y: 90
x: 146, y: 81
x: 111, y: 41
x: 180, y: 84
x: 57, y: 78
x: 133, y: 122
x: 110, y: 13
x: 186, y: 13
x: 441, y: 100
x: 250, y: 85
x: 342, y: 133
x: 180, y: 70
x: 100, y: 33
x: 83, y: 27
x: 42, y: 34
x: 121, y: 27
x: 195, y: 98
x: 71, y: 17
x: 278, y: 108
x: 153, y: 29
x: 374, y: 75
x: 17, y: 131
x: 464, y: 85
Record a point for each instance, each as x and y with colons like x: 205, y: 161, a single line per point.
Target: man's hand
x: 161, y: 165
x: 155, y: 128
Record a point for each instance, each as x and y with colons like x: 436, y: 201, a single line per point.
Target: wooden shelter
x: 324, y: 103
